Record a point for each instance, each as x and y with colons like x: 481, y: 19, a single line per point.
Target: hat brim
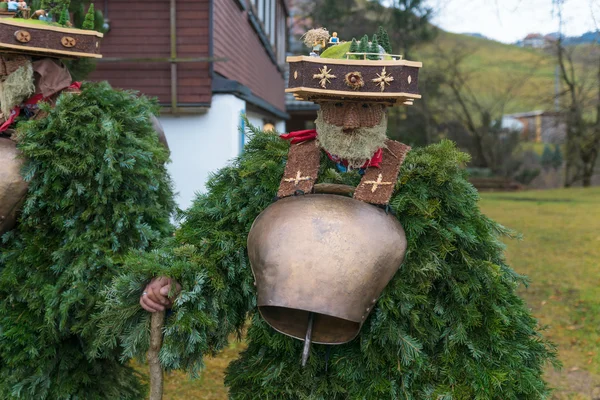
x: 388, y: 81
x: 47, y: 40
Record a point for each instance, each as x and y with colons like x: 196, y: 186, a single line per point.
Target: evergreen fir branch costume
x: 449, y: 325
x: 97, y: 189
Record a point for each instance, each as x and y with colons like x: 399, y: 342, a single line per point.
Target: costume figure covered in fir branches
x: 82, y: 182
x: 375, y: 252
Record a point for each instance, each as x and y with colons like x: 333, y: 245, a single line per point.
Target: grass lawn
x: 560, y: 252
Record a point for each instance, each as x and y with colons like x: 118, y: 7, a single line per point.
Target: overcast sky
x: 510, y: 20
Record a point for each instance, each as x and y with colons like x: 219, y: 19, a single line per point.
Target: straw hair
x: 17, y: 87
x: 315, y: 35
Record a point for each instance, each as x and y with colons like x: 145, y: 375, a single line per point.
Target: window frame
x: 270, y: 28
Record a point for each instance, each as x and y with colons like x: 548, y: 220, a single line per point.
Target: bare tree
x: 582, y: 98
x: 479, y: 114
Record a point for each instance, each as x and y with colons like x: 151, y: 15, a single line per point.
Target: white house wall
x: 202, y: 144
x: 258, y: 120
x: 280, y: 127
x: 255, y: 119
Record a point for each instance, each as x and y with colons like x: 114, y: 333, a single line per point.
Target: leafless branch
x: 593, y: 14
x: 583, y: 137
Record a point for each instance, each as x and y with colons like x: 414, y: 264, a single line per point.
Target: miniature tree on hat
x: 89, y: 18
x: 363, y: 46
x: 354, y: 48
x: 384, y: 40
x: 64, y: 17
x: 374, y: 48
x: 55, y: 8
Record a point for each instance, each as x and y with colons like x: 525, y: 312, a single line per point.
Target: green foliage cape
x: 449, y: 326
x: 98, y: 188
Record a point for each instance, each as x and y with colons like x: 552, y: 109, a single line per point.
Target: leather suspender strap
x: 301, y: 170
x: 378, y: 184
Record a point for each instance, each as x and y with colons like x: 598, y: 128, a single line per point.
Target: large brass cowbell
x: 320, y: 262
x: 13, y: 188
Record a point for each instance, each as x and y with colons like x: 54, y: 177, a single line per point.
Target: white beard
x: 356, y: 147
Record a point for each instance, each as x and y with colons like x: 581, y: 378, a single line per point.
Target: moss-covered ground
x: 560, y: 252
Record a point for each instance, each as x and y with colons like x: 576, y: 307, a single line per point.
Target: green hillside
x: 495, y: 69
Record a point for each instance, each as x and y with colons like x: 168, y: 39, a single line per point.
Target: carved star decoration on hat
x: 383, y: 79
x: 324, y: 76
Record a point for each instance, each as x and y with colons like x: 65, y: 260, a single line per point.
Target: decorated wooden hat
x: 342, y: 72
x: 42, y: 39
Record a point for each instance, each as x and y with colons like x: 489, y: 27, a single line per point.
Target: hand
x: 155, y: 296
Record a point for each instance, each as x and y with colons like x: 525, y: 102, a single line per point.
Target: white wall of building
x: 202, y: 144
x: 255, y: 119
x: 258, y: 120
x: 280, y: 126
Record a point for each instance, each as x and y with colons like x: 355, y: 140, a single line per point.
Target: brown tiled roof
x: 533, y: 36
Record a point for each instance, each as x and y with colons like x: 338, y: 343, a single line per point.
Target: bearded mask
x: 353, y: 131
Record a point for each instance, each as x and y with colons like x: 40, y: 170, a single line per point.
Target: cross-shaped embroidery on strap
x: 299, y: 178
x: 377, y: 183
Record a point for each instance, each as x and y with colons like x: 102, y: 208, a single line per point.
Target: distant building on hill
x: 534, y: 40
x: 540, y: 126
x: 477, y: 35
x: 537, y: 41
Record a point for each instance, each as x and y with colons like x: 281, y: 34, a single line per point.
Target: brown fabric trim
x: 50, y: 76
x: 378, y: 184
x: 301, y: 170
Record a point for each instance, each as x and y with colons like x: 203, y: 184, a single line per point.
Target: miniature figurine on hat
x: 334, y: 40
x: 316, y: 40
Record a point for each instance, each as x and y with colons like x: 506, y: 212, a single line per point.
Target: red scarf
x: 29, y: 103
x: 304, y: 136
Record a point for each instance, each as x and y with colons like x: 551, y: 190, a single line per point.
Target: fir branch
x: 449, y: 325
x: 98, y: 188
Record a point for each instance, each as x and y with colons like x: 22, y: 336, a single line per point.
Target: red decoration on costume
x: 29, y: 103
x: 300, y: 136
x: 310, y: 134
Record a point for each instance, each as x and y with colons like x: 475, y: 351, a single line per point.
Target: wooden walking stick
x: 156, y: 371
